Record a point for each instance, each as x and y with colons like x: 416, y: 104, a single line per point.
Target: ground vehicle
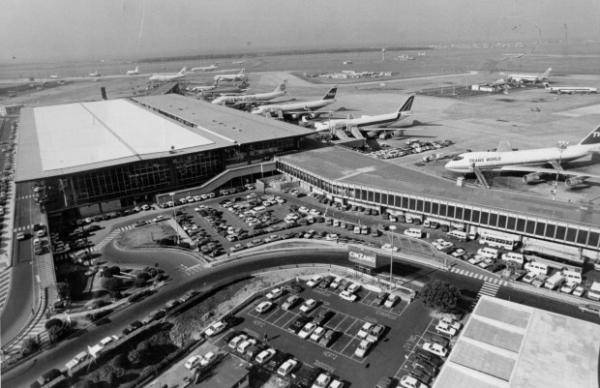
x: 307, y: 330
x: 335, y: 283
x: 353, y: 288
x: 290, y: 302
x: 244, y: 345
x: 20, y: 236
x: 265, y: 355
x: 192, y: 361
x: 308, y: 306
x: 208, y: 358
x: 594, y: 291
x: 274, y: 293
x: 364, y: 330
x: 451, y: 322
x: 413, y: 232
x: 537, y: 268
x: 381, y: 297
x: 336, y: 384
x: 317, y: 334
x: 384, y: 382
x: 499, y: 239
x: 391, y: 301
x: 347, y: 295
x: 458, y: 252
x: 443, y: 328
x: 328, y: 338
x: 488, y: 252
x: 375, y: 333
x: 235, y: 341
x: 517, y: 259
x: 408, y: 381
x: 322, y: 381
x: 528, y: 278
x: 298, y: 324
x: 363, y: 348
x: 435, y: 348
x: 288, y: 366
x: 264, y: 306
x: 554, y: 281
x: 312, y: 282
x: 578, y: 291
x: 458, y: 234
x: 215, y: 328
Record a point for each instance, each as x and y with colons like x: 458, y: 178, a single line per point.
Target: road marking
x: 420, y: 338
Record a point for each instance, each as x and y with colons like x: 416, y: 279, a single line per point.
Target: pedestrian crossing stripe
x: 489, y: 279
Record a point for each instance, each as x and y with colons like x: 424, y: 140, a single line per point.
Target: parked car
x: 265, y: 355
x: 308, y: 306
x: 435, y: 348
x: 347, y: 295
x: 391, y: 300
x: 264, y: 306
x: 287, y: 367
x: 290, y: 302
x: 215, y: 328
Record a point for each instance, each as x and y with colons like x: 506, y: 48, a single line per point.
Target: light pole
x: 392, y: 230
x: 172, y: 194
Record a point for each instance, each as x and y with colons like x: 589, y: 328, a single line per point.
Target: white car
x: 275, y: 293
x: 312, y: 282
x: 215, y: 328
x: 308, y: 305
x: 578, y: 291
x: 363, y: 348
x: 451, y: 322
x: 192, y: 361
x: 263, y: 307
x: 317, y: 334
x: 335, y: 283
x: 408, y: 381
x: 389, y: 247
x: 208, y: 359
x: 365, y: 329
x: 336, y: 384
x: 353, y: 287
x: 303, y: 209
x: 443, y: 328
x: 459, y: 252
x: 314, y: 212
x: 435, y: 348
x: 244, y: 345
x: 235, y: 341
x: 391, y: 301
x: 307, y: 330
x: 287, y: 367
x: 528, y: 278
x: 265, y: 355
x: 321, y: 381
x: 347, y: 295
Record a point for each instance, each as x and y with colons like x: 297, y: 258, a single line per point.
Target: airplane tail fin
x: 243, y: 71
x: 407, y: 105
x: 547, y: 72
x: 592, y: 138
x: 182, y: 71
x: 281, y: 87
x: 331, y: 94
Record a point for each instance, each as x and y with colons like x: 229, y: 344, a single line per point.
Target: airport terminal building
x: 350, y: 177
x: 100, y: 156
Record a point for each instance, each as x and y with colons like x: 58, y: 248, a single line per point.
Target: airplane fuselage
x: 248, y: 98
x: 572, y: 89
x: 496, y: 160
x: 363, y: 121
x: 293, y: 106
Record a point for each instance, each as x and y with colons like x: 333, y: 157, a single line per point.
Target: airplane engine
x: 398, y: 133
x: 532, y: 178
x: 313, y: 115
x: 372, y: 134
x: 295, y: 116
x: 574, y: 182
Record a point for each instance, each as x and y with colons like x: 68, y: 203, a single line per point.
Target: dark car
x: 429, y: 337
x: 429, y: 357
x: 298, y: 324
x: 381, y: 298
x: 295, y: 288
x: 329, y: 338
x: 323, y: 317
x: 325, y: 282
x: 420, y: 374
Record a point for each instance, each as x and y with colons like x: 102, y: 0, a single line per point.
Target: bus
x: 499, y: 239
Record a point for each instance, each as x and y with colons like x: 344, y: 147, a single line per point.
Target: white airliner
x: 296, y: 110
x: 205, y: 68
x: 163, y: 77
x: 365, y: 121
x: 522, y: 78
x: 94, y: 74
x: 571, y: 89
x: 241, y: 76
x: 134, y: 71
x: 530, y: 161
x: 251, y: 98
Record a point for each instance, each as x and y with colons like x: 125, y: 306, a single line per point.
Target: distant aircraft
x: 54, y: 76
x: 251, y: 98
x: 571, y: 89
x: 241, y: 76
x: 521, y: 78
x: 365, y: 121
x: 505, y: 159
x: 296, y: 110
x: 205, y: 68
x: 238, y: 62
x: 163, y: 77
x: 134, y: 71
x: 94, y: 74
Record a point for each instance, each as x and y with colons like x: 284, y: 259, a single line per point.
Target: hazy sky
x: 51, y: 30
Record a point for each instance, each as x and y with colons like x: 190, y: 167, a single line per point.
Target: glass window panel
x: 377, y: 197
x: 398, y: 201
x: 593, y: 240
x: 475, y: 216
x: 442, y: 210
x: 539, y: 228
x: 435, y: 208
x: 550, y: 228
x: 484, y: 218
x: 560, y: 232
x: 427, y: 208
x: 467, y: 214
x: 450, y: 211
x: 458, y: 213
x: 520, y: 225
x: 582, y: 236
x: 419, y: 205
x: 571, y: 234
x: 370, y: 197
x: 501, y: 221
x: 412, y: 204
x: 405, y: 202
x: 493, y: 219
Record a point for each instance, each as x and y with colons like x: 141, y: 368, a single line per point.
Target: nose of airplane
x: 449, y: 165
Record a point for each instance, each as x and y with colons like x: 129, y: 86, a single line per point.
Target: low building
x: 506, y: 344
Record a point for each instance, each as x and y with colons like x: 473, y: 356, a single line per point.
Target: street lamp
x: 172, y: 194
x: 392, y: 230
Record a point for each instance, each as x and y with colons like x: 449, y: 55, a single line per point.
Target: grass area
x: 145, y: 236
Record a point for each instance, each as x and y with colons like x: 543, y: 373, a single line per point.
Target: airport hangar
x: 556, y: 230
x: 95, y: 157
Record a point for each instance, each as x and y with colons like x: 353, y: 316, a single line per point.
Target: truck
x: 554, y: 281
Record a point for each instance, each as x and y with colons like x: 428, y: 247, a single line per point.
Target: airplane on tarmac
x: 570, y: 89
x: 134, y: 71
x: 295, y: 110
x: 251, y: 98
x: 164, y: 77
x: 530, y: 161
x: 383, y: 120
x: 205, y: 68
x: 94, y: 74
x: 522, y: 78
x: 241, y: 76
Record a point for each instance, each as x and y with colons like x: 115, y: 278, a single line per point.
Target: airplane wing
x: 573, y: 177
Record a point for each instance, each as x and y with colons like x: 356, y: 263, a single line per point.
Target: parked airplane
x: 571, y: 89
x: 384, y: 119
x: 163, y: 77
x: 296, y: 110
x: 54, y: 76
x: 529, y: 161
x: 521, y: 78
x: 94, y: 74
x: 205, y: 68
x: 241, y: 76
x: 134, y: 71
x: 251, y: 98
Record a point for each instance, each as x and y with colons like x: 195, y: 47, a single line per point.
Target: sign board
x: 363, y: 256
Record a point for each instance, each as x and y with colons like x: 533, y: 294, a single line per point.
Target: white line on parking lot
x: 397, y: 374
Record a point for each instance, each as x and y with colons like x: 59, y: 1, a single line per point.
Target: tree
x: 134, y: 357
x: 64, y: 290
x: 55, y: 333
x: 141, y: 279
x: 119, y: 361
x: 111, y: 285
x: 53, y: 322
x: 30, y: 345
x: 114, y: 270
x: 440, y: 295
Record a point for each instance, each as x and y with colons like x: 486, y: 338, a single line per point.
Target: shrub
x: 440, y: 295
x: 30, y: 345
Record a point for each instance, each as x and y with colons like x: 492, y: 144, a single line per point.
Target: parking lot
x: 403, y: 324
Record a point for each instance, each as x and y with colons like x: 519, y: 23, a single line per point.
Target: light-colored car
x: 20, y: 236
x: 364, y: 330
x: 443, y: 328
x: 458, y: 252
x: 389, y: 247
x: 435, y: 348
x: 347, y: 295
x: 317, y: 334
x: 375, y: 333
x: 235, y: 341
x: 215, y: 328
x: 287, y: 367
x: 362, y: 348
x: 265, y: 355
x: 244, y: 345
x: 578, y: 291
x: 528, y: 278
x: 335, y: 283
x: 264, y: 306
x: 312, y: 282
x: 274, y: 293
x: 353, y: 287
x: 208, y: 359
x: 336, y: 384
x: 307, y: 330
x: 308, y: 305
x: 322, y: 380
x: 391, y: 301
x: 191, y: 362
x: 408, y: 381
x: 451, y: 322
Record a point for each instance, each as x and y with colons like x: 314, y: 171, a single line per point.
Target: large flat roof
x: 70, y: 138
x: 505, y: 344
x: 346, y: 166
